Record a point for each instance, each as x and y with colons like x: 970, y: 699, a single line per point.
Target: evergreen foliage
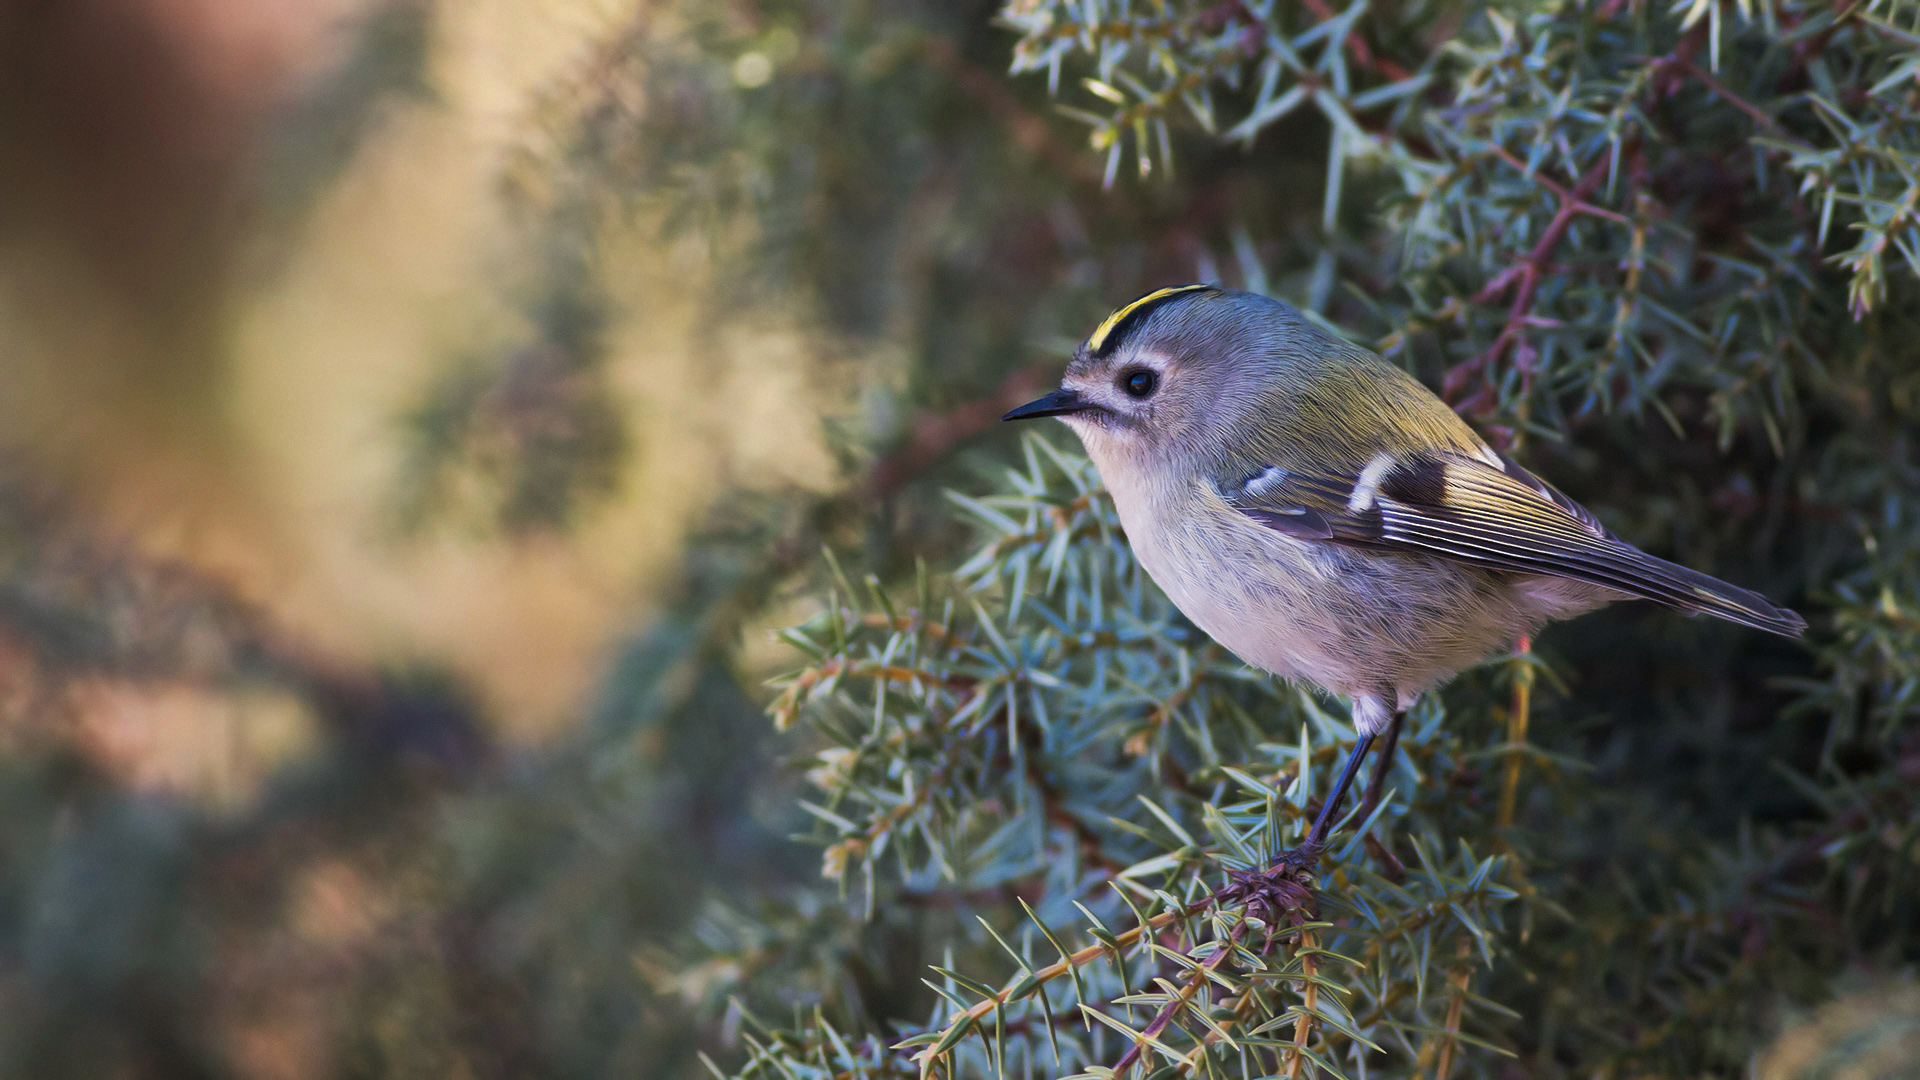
x: 1669, y: 253
x: 1663, y: 253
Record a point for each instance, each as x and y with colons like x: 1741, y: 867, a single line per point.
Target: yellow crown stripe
x: 1099, y: 338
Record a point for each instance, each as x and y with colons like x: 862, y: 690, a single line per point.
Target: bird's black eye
x: 1139, y: 383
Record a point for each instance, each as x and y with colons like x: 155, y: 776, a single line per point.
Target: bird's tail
x: 1692, y: 591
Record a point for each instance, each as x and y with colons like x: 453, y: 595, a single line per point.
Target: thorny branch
x: 1520, y: 315
x: 1181, y: 1001
x: 1524, y: 278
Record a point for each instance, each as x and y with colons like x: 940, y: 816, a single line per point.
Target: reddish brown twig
x: 1760, y: 116
x: 1309, y: 994
x: 1566, y: 198
x: 1666, y: 73
x: 1357, y: 47
x: 1663, y: 74
x: 1527, y: 274
x: 1179, y: 1001
x: 1461, y: 974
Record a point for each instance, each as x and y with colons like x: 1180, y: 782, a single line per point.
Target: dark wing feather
x: 1501, y: 517
x: 1580, y: 513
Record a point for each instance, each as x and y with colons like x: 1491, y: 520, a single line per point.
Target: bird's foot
x: 1280, y: 892
x: 1302, y: 860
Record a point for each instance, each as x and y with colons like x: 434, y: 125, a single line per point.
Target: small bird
x: 1327, y: 518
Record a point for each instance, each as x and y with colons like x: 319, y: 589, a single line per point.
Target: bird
x: 1324, y: 516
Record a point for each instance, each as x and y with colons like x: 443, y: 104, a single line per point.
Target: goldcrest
x: 1326, y: 517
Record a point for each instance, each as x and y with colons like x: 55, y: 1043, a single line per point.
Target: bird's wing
x: 1489, y: 512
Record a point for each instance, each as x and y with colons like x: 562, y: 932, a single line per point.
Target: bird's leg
x: 1382, y: 762
x: 1285, y: 884
x: 1376, y: 787
x: 1308, y: 853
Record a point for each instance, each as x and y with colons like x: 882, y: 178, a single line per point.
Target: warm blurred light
x: 1866, y: 1035
x: 260, y: 442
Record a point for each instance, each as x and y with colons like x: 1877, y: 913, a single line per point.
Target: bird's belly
x: 1350, y: 621
x: 1255, y: 605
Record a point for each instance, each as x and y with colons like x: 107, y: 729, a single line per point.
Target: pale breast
x: 1348, y: 620
x: 1251, y: 590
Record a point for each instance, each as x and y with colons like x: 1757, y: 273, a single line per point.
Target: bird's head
x: 1177, y: 373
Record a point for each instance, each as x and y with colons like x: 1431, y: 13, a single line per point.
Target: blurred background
x: 415, y: 416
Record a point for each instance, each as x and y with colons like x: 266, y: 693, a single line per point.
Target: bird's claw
x: 1281, y: 891
x: 1302, y: 860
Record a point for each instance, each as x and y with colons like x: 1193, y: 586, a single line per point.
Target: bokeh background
x: 414, y: 418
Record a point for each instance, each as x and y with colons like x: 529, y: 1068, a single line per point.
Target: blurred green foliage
x: 1665, y: 253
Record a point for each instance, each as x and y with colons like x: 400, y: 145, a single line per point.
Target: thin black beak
x: 1059, y: 403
